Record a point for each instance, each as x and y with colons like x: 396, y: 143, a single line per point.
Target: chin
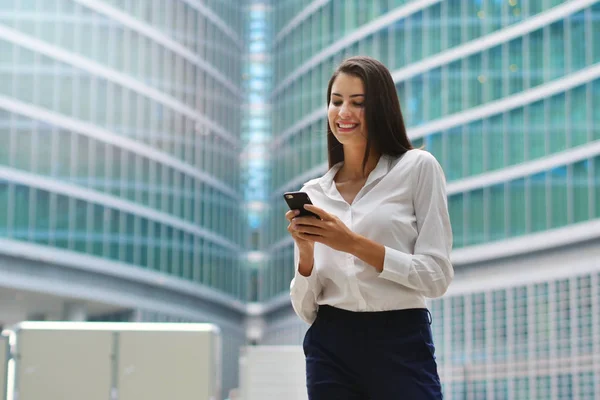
x: 354, y: 138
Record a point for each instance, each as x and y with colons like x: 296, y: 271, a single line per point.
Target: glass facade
x: 485, y: 86
x: 120, y: 139
x: 503, y: 94
x: 525, y: 342
x: 120, y: 129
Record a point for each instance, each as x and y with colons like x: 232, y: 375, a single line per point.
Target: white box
x: 128, y: 361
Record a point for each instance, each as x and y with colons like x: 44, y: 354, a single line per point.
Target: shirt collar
x: 328, y: 185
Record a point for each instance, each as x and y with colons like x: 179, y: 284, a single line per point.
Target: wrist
x: 356, y: 244
x: 305, y: 264
x: 368, y: 251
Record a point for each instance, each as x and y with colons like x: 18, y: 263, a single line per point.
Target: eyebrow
x: 353, y: 95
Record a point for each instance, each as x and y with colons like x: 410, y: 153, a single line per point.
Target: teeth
x: 345, y: 126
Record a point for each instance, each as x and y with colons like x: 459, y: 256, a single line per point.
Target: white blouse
x: 402, y: 206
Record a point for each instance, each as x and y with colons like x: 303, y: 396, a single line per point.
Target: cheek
x: 331, y: 114
x: 361, y: 115
x: 363, y: 121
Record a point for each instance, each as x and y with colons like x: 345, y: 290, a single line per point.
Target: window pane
x: 476, y: 217
x: 557, y: 50
x: 536, y: 133
x: 454, y: 27
x: 578, y: 115
x: 455, y: 95
x: 517, y: 208
x: 596, y: 105
x: 454, y: 165
x: 516, y: 67
x: 581, y: 190
x: 577, y: 45
x: 537, y: 206
x: 42, y: 216
x: 597, y: 184
x: 3, y: 207
x: 495, y: 149
x: 516, y: 136
x: 476, y: 150
x: 557, y: 132
x: 455, y: 209
x: 495, y: 66
x: 536, y: 58
x: 558, y: 190
x: 21, y: 211
x: 497, y: 212
x: 475, y: 80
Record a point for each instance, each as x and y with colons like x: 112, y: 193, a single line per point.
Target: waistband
x: 410, y: 316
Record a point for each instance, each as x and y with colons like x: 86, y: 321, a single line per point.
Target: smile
x: 346, y: 126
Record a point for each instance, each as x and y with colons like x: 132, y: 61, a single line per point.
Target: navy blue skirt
x: 371, y: 355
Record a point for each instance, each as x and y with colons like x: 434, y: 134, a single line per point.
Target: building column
x: 74, y: 311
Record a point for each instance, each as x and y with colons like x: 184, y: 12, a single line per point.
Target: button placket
x: 350, y: 264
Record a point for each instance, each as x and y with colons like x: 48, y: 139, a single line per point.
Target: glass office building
x: 505, y: 94
x: 119, y: 149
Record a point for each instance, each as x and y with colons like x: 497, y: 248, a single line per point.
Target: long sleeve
x: 428, y: 270
x: 304, y: 291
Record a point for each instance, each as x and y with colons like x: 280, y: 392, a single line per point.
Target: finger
x: 324, y: 215
x: 291, y: 214
x: 292, y: 230
x: 310, y: 237
x: 312, y: 221
x: 297, y: 226
x: 309, y: 229
x: 297, y: 236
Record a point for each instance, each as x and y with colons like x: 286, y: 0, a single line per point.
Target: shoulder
x: 423, y: 166
x: 421, y: 157
x: 424, y: 161
x: 416, y: 160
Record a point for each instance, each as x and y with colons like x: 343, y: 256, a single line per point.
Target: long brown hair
x: 386, y: 133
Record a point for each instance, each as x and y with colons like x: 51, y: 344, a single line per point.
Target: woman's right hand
x: 304, y: 245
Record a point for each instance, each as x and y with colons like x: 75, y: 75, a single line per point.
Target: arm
x: 429, y: 269
x: 305, y: 288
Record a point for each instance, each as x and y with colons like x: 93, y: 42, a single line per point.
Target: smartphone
x: 296, y: 201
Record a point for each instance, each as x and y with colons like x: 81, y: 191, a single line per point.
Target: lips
x: 345, y: 127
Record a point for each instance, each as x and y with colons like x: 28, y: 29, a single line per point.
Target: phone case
x: 296, y: 201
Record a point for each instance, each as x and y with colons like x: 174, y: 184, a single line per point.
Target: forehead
x: 345, y: 84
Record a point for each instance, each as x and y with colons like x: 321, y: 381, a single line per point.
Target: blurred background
x: 145, y: 145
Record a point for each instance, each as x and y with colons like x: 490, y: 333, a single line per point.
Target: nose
x: 344, y: 111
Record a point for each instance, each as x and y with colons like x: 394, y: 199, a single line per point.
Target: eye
x: 336, y: 103
x: 359, y: 104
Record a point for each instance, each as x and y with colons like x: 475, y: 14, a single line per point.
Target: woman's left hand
x: 329, y: 230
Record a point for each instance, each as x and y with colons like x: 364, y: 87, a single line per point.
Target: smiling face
x: 346, y: 110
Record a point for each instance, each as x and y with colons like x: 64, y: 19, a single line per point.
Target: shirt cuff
x: 302, y: 284
x: 396, y: 265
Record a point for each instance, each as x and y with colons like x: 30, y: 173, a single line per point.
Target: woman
x: 381, y: 247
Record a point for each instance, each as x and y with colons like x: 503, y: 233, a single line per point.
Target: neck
x: 353, y: 163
